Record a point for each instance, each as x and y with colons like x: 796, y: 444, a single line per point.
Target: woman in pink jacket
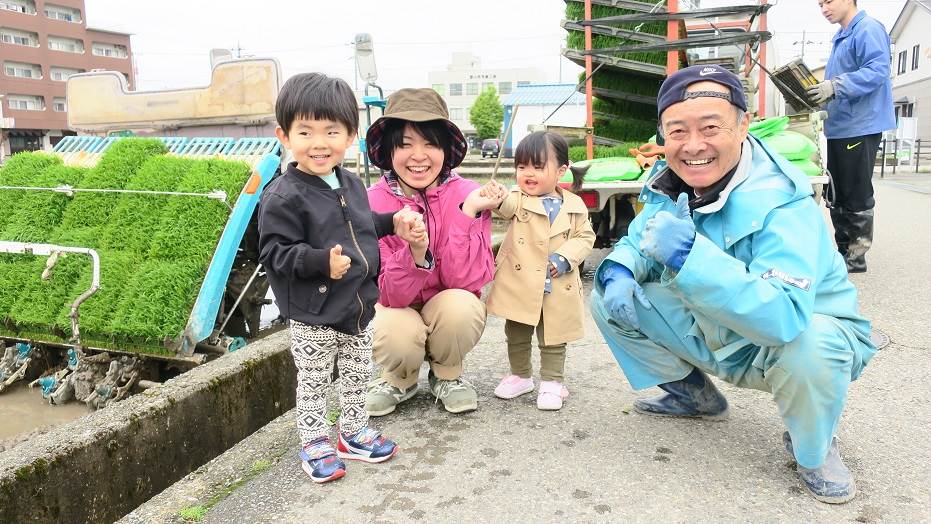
x: 429, y: 306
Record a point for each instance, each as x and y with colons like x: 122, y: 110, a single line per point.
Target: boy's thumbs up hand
x: 339, y: 263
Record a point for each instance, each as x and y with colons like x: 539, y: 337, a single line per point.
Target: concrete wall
x: 103, y: 465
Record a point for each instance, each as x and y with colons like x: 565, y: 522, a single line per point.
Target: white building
x: 911, y: 65
x: 464, y: 78
x: 539, y: 102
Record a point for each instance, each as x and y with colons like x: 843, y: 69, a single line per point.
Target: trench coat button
x: 517, y: 267
x: 539, y: 242
x: 727, y: 239
x: 520, y: 241
x: 322, y: 288
x: 568, y: 287
x: 754, y: 223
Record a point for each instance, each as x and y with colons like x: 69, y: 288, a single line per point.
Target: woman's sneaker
x: 457, y: 395
x: 367, y: 445
x: 513, y: 386
x: 381, y: 397
x: 551, y: 395
x: 319, y: 461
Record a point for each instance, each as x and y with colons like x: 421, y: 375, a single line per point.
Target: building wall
x: 914, y: 84
x: 465, y: 69
x: 918, y: 94
x: 569, y: 115
x: 52, y: 123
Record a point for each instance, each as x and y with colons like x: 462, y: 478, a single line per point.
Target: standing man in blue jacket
x: 858, y: 93
x: 730, y: 270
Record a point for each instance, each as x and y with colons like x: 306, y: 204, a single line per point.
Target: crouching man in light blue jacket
x: 729, y: 270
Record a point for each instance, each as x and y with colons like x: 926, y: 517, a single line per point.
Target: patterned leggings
x: 314, y: 349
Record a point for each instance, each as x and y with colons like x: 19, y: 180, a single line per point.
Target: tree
x: 487, y: 113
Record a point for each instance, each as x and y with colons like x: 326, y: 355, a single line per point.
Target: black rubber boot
x: 695, y: 396
x: 841, y: 229
x: 861, y: 239
x: 832, y: 482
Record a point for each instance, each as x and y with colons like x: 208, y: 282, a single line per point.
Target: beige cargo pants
x: 441, y: 331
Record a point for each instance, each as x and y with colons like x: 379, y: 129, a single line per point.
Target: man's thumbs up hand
x: 668, y: 238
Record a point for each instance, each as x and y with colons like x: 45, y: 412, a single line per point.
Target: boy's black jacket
x: 300, y: 220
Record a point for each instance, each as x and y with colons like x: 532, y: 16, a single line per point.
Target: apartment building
x: 464, y: 78
x: 42, y: 44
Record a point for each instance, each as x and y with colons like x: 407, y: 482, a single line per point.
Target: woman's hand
x: 409, y: 226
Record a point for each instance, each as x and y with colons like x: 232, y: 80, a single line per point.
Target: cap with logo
x: 675, y: 87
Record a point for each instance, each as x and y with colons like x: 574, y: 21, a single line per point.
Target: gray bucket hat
x: 414, y: 105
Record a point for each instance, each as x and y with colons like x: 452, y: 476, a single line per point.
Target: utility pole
x: 803, y: 41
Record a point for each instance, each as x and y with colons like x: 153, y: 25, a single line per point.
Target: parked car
x: 490, y: 147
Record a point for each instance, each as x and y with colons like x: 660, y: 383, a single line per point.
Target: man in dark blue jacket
x: 858, y: 94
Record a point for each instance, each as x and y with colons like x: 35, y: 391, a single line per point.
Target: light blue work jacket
x: 762, y: 262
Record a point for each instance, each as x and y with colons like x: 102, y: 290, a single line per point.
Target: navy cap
x: 675, y: 86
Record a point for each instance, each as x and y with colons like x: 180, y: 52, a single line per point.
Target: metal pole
x: 895, y: 154
x: 589, y: 120
x: 761, y: 105
x: 917, y: 154
x: 882, y: 163
x: 672, y: 33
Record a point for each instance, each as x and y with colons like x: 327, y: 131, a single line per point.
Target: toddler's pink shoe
x: 513, y: 386
x: 551, y: 394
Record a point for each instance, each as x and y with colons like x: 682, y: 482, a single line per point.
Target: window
x: 915, y: 56
x: 60, y: 74
x: 523, y: 82
x: 59, y: 104
x: 504, y: 88
x: 68, y: 45
x: 908, y: 110
x: 22, y: 70
x: 472, y: 88
x: 26, y: 102
x: 455, y: 89
x: 455, y: 113
x: 18, y: 6
x: 903, y: 59
x: 439, y: 88
x: 13, y: 36
x: 111, y: 50
x: 486, y: 85
x: 65, y: 14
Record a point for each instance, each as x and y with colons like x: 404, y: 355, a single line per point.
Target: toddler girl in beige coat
x: 537, y: 284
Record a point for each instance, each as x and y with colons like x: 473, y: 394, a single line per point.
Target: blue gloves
x: 620, y: 290
x: 668, y: 238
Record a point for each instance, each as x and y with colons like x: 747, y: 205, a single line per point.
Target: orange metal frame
x: 672, y: 62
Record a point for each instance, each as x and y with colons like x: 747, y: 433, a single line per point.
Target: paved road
x: 596, y: 461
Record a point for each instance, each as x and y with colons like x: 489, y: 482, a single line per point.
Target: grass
x: 198, y: 512
x: 578, y: 153
x: 154, y: 249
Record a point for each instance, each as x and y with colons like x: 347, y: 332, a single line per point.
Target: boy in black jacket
x: 319, y: 244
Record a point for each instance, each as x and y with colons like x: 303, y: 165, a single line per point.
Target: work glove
x: 668, y: 238
x: 620, y: 290
x: 821, y: 92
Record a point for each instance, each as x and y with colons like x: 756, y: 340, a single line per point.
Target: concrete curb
x: 100, y: 467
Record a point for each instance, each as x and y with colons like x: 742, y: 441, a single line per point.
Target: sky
x: 172, y: 38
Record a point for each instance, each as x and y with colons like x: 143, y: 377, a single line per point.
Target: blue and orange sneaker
x: 367, y: 445
x: 319, y: 461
